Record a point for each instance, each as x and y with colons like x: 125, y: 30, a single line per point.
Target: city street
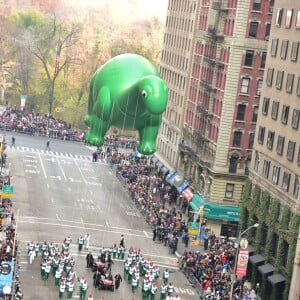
x: 60, y: 193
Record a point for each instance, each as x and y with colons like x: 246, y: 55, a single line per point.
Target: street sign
x: 7, y: 191
x: 193, y: 228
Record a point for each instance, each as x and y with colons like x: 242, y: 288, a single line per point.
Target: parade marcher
x: 153, y: 290
x: 47, y: 145
x: 30, y: 246
x: 170, y: 289
x: 43, y: 267
x: 146, y: 289
x: 62, y: 288
x: 83, y: 289
x: 68, y: 240
x: 19, y: 294
x: 36, y: 248
x: 57, y: 276
x: 89, y: 260
x: 166, y: 275
x: 47, y: 270
x: 163, y: 291
x: 87, y: 239
x: 70, y: 290
x: 80, y: 243
x: 133, y: 284
x: 118, y: 279
x: 31, y: 255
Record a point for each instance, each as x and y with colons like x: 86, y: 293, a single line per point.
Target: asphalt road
x: 62, y: 192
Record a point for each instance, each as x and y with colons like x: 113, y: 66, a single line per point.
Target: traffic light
x: 201, y: 211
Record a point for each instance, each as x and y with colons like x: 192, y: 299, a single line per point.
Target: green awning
x: 215, y: 211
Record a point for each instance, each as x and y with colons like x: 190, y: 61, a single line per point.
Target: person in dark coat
x: 89, y: 260
x: 118, y: 279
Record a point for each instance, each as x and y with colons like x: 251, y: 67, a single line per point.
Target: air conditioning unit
x: 258, y: 93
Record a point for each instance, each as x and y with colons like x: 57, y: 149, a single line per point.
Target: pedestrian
x: 170, y: 289
x: 80, y: 243
x: 89, y: 260
x: 122, y: 241
x: 95, y: 156
x: 47, y: 145
x: 13, y: 140
x: 87, y: 239
x: 118, y: 280
x: 96, y: 279
x: 154, y: 234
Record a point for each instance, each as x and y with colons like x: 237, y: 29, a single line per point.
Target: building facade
x: 208, y: 129
x: 273, y: 200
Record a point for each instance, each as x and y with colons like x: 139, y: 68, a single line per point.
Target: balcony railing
x: 212, y: 32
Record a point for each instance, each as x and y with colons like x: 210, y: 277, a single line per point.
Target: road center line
x: 80, y: 171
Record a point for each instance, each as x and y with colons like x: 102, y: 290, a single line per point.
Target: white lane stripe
x: 61, y: 169
x: 42, y: 165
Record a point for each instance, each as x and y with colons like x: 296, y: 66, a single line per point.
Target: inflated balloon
x: 126, y: 92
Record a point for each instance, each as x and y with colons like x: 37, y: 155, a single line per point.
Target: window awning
x: 154, y: 159
x: 215, y: 211
x: 276, y: 279
x: 164, y: 170
x: 256, y: 259
x: 266, y: 269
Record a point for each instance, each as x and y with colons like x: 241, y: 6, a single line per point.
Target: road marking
x: 146, y: 234
x: 57, y: 217
x: 61, y: 169
x: 42, y: 165
x: 84, y: 180
x: 107, y: 224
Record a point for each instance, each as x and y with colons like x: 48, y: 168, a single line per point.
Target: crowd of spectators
x: 34, y: 123
x: 209, y: 271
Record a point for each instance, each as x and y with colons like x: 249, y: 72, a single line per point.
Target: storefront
x: 222, y: 219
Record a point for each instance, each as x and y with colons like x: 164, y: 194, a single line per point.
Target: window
x: 280, y: 145
x: 286, y: 181
x: 291, y: 150
x: 279, y: 79
x: 241, y: 112
x: 249, y: 58
x: 271, y: 7
x: 256, y: 163
x: 266, y: 168
x: 295, y: 118
x: 237, y: 137
x: 253, y: 29
x: 275, y: 108
x: 256, y: 5
x: 296, y: 190
x: 274, y: 46
x: 294, y: 52
x: 269, y: 79
x: 288, y: 18
x: 289, y: 83
x: 263, y: 60
x: 298, y: 159
x: 245, y: 85
x: 270, y: 140
x: 298, y: 87
x: 284, y: 48
x: 259, y: 87
x: 267, y: 32
x: 265, y: 106
x: 229, y: 190
x: 261, y: 134
x: 278, y: 17
x: 275, y: 175
x: 285, y: 114
x: 255, y: 113
x: 233, y: 163
x: 251, y: 140
x: 298, y: 20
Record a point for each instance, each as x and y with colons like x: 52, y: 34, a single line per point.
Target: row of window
x: 289, y: 84
x: 285, y: 180
x: 257, y: 5
x: 249, y: 57
x: 290, y: 151
x: 253, y: 30
x: 289, y: 14
x: 245, y: 83
x: 284, y: 113
x: 284, y: 48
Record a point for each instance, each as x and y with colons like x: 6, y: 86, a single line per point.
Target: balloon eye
x: 144, y: 94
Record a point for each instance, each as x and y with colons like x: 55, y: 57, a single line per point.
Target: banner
x: 188, y: 194
x: 241, y: 267
x: 23, y: 100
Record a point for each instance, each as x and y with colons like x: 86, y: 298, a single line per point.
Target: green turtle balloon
x: 127, y: 92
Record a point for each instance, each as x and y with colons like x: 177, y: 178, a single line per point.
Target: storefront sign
x: 193, y: 228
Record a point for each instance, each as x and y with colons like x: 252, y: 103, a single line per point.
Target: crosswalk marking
x: 56, y: 153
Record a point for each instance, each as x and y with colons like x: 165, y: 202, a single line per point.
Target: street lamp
x: 236, y: 257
